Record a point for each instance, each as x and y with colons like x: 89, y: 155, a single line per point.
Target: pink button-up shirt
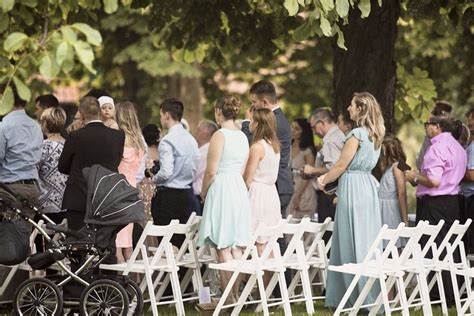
x: 444, y: 161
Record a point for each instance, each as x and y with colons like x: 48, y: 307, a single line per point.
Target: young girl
x: 262, y: 171
x: 392, y: 191
x: 107, y: 111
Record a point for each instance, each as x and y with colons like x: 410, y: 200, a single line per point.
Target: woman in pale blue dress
x: 357, y: 221
x: 226, y: 220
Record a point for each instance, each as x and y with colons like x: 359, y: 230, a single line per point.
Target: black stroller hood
x: 111, y: 200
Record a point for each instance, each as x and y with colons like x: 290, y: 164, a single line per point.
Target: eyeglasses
x: 429, y: 123
x: 316, y: 123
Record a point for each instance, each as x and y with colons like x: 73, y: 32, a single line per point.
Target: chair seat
x: 369, y: 269
x: 248, y: 266
x: 138, y: 266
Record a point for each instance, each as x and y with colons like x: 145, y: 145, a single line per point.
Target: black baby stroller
x: 111, y: 204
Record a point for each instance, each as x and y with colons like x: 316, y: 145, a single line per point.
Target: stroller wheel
x: 135, y: 297
x: 104, y: 297
x: 38, y: 296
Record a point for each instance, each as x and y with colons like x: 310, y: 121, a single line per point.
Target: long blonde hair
x: 128, y: 122
x: 266, y: 128
x: 370, y: 117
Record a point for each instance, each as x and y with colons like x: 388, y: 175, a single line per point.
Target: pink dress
x: 263, y: 193
x: 128, y: 167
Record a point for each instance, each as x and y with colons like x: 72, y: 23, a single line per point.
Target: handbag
x: 14, y: 241
x: 331, y: 188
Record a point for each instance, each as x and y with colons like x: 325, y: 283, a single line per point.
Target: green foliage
x: 415, y: 94
x: 46, y: 37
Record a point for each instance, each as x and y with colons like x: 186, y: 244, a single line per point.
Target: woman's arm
x: 348, y: 152
x: 257, y: 152
x: 216, y: 146
x: 401, y: 193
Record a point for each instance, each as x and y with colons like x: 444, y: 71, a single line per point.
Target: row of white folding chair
x: 412, y: 262
x: 302, y: 260
x: 254, y: 265
x: 317, y: 257
x: 436, y: 260
x: 383, y: 266
x: 187, y: 257
x: 163, y: 260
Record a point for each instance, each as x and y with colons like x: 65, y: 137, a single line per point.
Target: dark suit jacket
x: 285, y: 179
x: 93, y: 144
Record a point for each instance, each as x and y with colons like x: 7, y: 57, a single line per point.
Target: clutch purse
x: 331, y: 187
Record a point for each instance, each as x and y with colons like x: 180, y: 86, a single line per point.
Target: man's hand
x: 412, y: 177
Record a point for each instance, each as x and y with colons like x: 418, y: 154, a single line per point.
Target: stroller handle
x: 64, y: 230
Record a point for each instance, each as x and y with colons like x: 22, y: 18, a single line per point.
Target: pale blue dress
x: 389, y: 205
x: 357, y: 221
x: 226, y: 220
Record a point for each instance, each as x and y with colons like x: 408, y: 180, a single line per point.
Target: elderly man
x: 203, y: 135
x: 443, y: 168
x: 324, y: 125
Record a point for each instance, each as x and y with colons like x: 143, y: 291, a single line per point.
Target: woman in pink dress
x: 262, y: 171
x: 129, y: 166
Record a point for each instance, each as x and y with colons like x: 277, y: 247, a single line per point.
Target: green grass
x: 297, y: 309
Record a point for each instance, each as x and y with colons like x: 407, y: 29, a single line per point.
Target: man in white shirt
x: 203, y: 135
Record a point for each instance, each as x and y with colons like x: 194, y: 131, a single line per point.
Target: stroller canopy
x: 111, y: 200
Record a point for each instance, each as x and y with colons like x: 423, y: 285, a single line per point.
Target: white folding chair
x: 464, y: 306
x: 254, y: 265
x: 315, y: 259
x: 186, y: 257
x: 294, y: 258
x: 373, y: 268
x: 411, y: 263
x: 163, y: 260
x: 438, y: 261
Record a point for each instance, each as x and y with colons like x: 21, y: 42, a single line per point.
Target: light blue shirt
x: 179, y: 156
x: 467, y: 187
x: 21, y: 140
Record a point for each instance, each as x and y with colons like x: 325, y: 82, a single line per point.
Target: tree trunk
x: 189, y: 91
x: 369, y: 63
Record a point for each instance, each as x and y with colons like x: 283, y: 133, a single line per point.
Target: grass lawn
x: 298, y: 309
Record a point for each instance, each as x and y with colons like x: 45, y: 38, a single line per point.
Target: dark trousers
x: 466, y: 203
x: 436, y: 208
x: 169, y: 204
x: 326, y: 208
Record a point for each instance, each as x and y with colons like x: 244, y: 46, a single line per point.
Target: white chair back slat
x: 387, y: 234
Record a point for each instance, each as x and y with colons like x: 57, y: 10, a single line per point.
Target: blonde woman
x: 358, y: 217
x: 133, y: 152
x: 52, y: 182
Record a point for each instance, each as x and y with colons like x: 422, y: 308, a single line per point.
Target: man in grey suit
x: 263, y: 95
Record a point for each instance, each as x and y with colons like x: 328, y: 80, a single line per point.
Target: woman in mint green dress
x: 226, y: 220
x: 357, y: 221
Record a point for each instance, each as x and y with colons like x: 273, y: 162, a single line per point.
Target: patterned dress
x: 52, y: 182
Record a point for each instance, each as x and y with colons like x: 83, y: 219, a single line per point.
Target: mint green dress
x: 357, y: 221
x: 226, y: 219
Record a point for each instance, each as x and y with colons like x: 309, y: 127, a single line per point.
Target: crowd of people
x: 240, y: 174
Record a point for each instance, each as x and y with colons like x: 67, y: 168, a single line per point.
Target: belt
x: 27, y: 181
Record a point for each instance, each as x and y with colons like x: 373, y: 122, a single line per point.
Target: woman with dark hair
x: 303, y: 201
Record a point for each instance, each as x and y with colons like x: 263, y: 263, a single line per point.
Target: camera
x: 150, y: 172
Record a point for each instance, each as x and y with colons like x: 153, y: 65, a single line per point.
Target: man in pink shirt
x: 443, y: 168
